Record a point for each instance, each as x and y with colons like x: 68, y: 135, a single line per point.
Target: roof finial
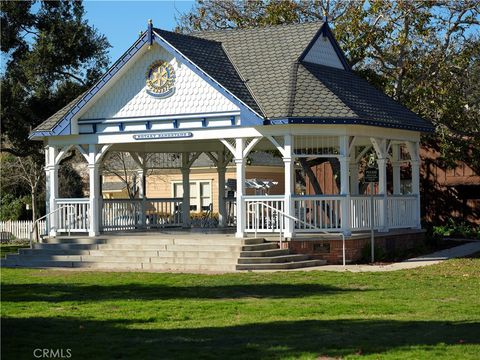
x: 150, y: 33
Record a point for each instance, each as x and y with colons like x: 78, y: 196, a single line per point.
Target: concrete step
x: 188, y: 267
x: 156, y: 266
x: 53, y: 251
x: 258, y: 253
x: 222, y: 241
x: 281, y: 266
x: 273, y: 259
x: 200, y: 254
x: 123, y: 259
x: 44, y: 257
x: 21, y: 262
x: 193, y: 261
x: 66, y: 246
x: 73, y: 240
x: 226, y: 248
x: 130, y: 247
x: 263, y: 246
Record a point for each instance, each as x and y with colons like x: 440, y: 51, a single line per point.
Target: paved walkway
x: 425, y: 260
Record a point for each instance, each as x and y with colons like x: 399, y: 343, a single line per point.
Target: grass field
x: 426, y: 313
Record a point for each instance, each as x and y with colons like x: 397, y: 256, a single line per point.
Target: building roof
x: 265, y: 68
x: 265, y: 57
x: 113, y: 186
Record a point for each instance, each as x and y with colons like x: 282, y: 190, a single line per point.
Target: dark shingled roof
x: 326, y: 92
x: 266, y: 57
x: 210, y: 56
x: 262, y: 67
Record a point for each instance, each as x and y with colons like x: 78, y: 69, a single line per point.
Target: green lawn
x: 427, y: 313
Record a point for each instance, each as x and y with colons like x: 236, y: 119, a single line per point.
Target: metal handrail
x: 294, y: 219
x: 44, y: 216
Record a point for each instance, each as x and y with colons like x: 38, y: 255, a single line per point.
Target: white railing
x: 325, y: 212
x: 130, y: 214
x: 252, y: 208
x: 121, y: 214
x: 264, y: 218
x: 72, y: 215
x: 318, y: 212
x: 402, y: 211
x: 20, y: 229
x: 163, y: 212
x: 360, y: 217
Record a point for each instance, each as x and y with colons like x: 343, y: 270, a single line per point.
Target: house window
x: 200, y: 194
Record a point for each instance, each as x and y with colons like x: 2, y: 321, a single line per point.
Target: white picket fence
x: 19, y: 229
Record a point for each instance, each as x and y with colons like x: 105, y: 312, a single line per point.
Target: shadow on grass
x: 61, y: 292
x: 140, y: 340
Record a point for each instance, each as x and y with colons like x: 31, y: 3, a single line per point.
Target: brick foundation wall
x: 331, y: 250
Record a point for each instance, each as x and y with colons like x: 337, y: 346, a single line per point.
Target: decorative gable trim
x: 63, y: 127
x: 254, y: 118
x: 326, y: 32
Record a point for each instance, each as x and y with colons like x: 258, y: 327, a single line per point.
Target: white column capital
x: 51, y: 167
x: 93, y: 166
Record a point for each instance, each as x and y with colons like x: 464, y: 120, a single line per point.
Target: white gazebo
x: 225, y: 93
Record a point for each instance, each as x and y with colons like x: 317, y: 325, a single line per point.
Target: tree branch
x: 66, y: 73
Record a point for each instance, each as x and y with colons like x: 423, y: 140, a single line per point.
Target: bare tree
x: 25, y: 171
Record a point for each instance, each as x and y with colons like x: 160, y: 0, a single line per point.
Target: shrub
x: 456, y: 230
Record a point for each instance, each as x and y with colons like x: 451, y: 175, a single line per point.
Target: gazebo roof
x: 268, y: 69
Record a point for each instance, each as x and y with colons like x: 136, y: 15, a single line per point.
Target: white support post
x: 221, y: 169
x: 345, y: 184
x: 354, y: 185
x: 51, y: 172
x: 414, y: 150
x: 289, y: 185
x: 380, y: 146
x: 396, y: 166
x: 142, y: 194
x: 93, y: 170
x: 186, y: 190
x: 240, y: 168
x: 382, y: 190
x: 416, y: 190
x: 100, y: 196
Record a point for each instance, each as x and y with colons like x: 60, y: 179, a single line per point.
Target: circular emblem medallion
x: 160, y: 78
